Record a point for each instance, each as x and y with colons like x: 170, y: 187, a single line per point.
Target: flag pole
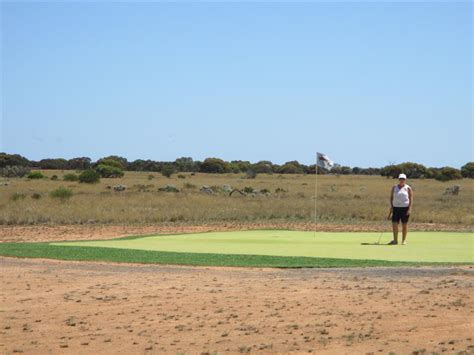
x: 315, y: 194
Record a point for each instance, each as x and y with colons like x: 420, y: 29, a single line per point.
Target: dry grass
x: 344, y: 199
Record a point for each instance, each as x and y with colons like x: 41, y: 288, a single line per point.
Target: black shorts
x: 400, y: 213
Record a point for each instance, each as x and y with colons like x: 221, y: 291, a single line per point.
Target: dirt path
x: 72, y: 307
x: 42, y: 233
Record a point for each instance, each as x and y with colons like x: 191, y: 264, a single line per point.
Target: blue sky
x: 366, y: 83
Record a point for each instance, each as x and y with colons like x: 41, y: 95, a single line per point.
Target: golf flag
x: 324, y: 162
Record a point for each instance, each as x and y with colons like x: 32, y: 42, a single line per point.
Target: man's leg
x: 404, y: 232
x: 395, y: 231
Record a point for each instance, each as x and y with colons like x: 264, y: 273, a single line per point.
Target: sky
x: 367, y: 83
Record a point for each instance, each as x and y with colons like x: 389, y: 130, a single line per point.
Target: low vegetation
x: 35, y: 175
x: 61, y: 193
x: 89, y: 176
x: 71, y: 177
x: 346, y: 199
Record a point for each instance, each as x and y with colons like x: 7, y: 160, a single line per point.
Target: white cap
x: 402, y: 176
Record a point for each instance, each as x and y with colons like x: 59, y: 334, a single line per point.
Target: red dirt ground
x: 97, y: 308
x: 41, y: 233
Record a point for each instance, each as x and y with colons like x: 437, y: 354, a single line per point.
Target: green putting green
x: 442, y: 247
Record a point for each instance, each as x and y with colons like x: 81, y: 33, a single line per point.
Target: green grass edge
x: 75, y: 253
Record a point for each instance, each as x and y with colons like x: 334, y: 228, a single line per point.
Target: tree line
x: 114, y: 166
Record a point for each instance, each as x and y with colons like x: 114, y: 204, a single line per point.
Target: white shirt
x: 400, y: 196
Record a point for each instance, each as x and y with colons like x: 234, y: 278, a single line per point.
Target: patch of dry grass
x: 343, y: 199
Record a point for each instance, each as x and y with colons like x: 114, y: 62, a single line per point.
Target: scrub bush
x: 89, y: 177
x: 61, y: 193
x: 35, y: 175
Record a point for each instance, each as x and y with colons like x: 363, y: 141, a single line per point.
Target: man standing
x: 401, y: 201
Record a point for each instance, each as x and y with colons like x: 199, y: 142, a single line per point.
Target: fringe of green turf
x: 46, y: 251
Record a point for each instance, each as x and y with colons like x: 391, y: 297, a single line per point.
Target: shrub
x: 467, y: 170
x: 36, y: 196
x: 89, y: 177
x: 447, y: 173
x: 108, y: 171
x: 70, y: 177
x: 251, y: 174
x: 248, y: 189
x: 17, y: 196
x: 181, y: 176
x: 167, y: 171
x: 82, y: 163
x: 12, y: 160
x: 61, y: 193
x: 114, y: 160
x: 453, y: 190
x: 54, y: 177
x: 169, y: 188
x: 412, y: 170
x: 35, y: 175
x: 14, y: 171
x: 110, y: 162
x: 263, y: 167
x: 291, y: 167
x: 151, y: 177
x: 215, y: 165
x: 55, y: 164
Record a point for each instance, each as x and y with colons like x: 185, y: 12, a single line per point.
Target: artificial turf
x: 259, y: 249
x: 48, y: 251
x: 422, y: 247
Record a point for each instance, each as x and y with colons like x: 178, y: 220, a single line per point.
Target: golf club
x: 382, y: 232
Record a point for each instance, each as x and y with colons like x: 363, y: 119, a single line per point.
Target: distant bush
x: 82, y: 163
x: 167, y: 171
x: 110, y: 162
x: 36, y: 196
x: 108, y: 171
x: 215, y: 165
x: 250, y: 174
x: 35, y: 175
x: 12, y: 160
x: 61, y: 193
x: 71, y: 177
x: 56, y: 164
x: 448, y: 173
x: 467, y: 170
x: 241, y: 165
x: 342, y: 170
x: 291, y: 167
x: 54, y: 177
x: 14, y: 171
x: 17, y: 196
x: 89, y: 177
x: 412, y: 170
x: 263, y: 167
x: 114, y: 160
